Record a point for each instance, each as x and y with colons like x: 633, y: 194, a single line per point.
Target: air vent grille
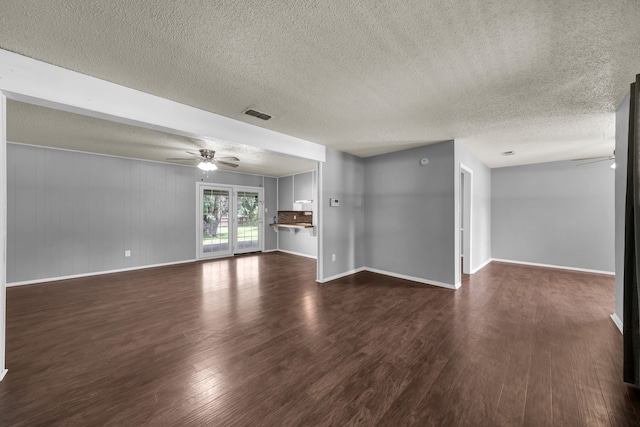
x: 257, y: 114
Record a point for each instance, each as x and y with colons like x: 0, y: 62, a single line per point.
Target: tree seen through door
x: 215, y: 220
x: 248, y: 207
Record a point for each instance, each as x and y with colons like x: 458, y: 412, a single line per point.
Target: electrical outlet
x: 127, y: 253
x: 294, y: 217
x: 333, y: 257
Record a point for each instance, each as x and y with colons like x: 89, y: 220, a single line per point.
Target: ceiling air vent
x: 257, y: 114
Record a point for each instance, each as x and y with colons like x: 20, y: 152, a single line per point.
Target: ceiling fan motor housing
x: 207, y: 154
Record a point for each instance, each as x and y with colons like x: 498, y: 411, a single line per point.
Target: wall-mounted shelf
x: 295, y: 227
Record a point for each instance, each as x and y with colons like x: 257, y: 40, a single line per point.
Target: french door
x: 230, y: 220
x: 213, y: 223
x: 248, y: 222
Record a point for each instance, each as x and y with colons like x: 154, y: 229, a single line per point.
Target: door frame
x: 466, y: 195
x: 233, y: 218
x: 199, y: 188
x: 260, y: 191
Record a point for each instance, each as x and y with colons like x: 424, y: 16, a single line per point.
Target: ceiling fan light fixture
x: 207, y: 166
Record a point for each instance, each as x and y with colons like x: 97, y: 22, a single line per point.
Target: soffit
x: 365, y: 77
x: 30, y: 124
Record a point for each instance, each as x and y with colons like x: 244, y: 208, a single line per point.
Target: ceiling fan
x: 596, y: 159
x: 208, y: 159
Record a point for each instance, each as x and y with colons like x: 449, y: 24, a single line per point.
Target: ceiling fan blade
x: 225, y: 163
x: 180, y: 158
x: 595, y: 161
x: 233, y: 159
x: 589, y: 158
x: 194, y: 153
x: 611, y: 157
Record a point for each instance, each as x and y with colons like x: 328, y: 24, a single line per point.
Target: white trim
x: 560, y: 267
x: 269, y: 250
x: 297, y: 253
x: 297, y: 173
x: 97, y: 273
x: 480, y: 267
x: 468, y: 258
x: 261, y: 218
x: 391, y: 274
x: 413, y: 278
x: 3, y: 373
x: 277, y: 212
x: 293, y: 191
x: 3, y: 231
x: 319, y: 222
x: 231, y: 229
x: 617, y: 321
x: 341, y: 275
x: 36, y: 82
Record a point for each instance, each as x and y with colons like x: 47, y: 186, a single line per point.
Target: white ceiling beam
x: 35, y: 82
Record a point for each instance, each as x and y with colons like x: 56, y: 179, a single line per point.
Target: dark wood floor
x: 254, y: 340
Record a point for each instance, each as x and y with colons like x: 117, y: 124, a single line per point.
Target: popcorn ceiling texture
x: 542, y: 78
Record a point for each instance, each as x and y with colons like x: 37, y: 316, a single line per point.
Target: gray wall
x: 297, y: 187
x: 409, y: 213
x: 285, y: 193
x: 75, y: 213
x: 554, y: 213
x: 481, y: 208
x: 343, y: 226
x: 622, y: 138
x: 227, y: 178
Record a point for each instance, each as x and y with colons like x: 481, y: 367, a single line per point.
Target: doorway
x: 229, y: 220
x: 466, y: 197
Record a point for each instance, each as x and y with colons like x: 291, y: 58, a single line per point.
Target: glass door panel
x: 248, y: 224
x: 215, y: 231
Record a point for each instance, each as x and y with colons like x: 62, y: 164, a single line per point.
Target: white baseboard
x: 3, y: 373
x: 617, y: 321
x: 413, y: 278
x: 391, y: 274
x: 341, y: 275
x: 560, y: 267
x: 480, y: 267
x: 270, y: 250
x: 97, y: 273
x: 297, y: 253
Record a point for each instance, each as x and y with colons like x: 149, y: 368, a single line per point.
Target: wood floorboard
x: 254, y: 340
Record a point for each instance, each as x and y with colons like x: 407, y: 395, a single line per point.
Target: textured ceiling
x: 541, y: 78
x: 35, y: 125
